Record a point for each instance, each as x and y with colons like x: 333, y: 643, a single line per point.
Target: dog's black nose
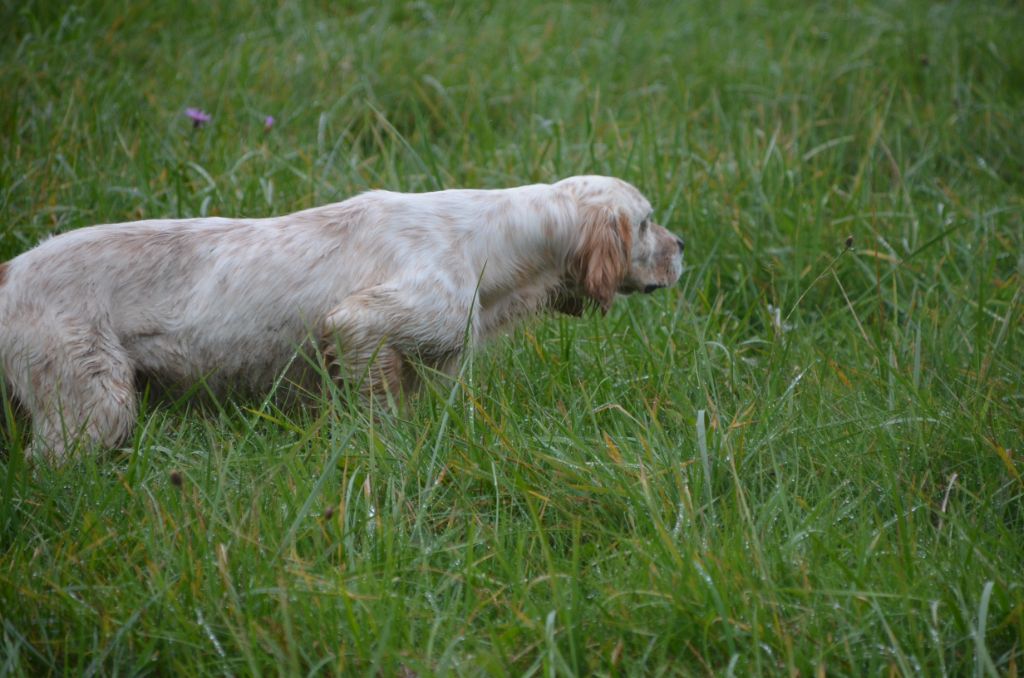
x: 650, y: 288
x: 682, y: 245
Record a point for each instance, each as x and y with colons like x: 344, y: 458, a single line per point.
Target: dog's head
x: 620, y: 249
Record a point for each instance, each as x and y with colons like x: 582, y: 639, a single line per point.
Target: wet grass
x: 804, y: 459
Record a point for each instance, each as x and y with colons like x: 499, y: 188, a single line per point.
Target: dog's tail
x: 3, y: 313
x: 3, y: 282
x: 4, y: 385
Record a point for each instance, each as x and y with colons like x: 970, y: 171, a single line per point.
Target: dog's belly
x: 180, y: 361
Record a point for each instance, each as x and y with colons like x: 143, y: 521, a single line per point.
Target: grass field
x: 803, y: 460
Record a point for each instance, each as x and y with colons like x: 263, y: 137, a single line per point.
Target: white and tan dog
x: 380, y: 278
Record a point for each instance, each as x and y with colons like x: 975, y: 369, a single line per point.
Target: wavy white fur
x: 382, y: 277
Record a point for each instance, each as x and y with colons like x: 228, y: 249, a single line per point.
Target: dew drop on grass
x: 209, y: 633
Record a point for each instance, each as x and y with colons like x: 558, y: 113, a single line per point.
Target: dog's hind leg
x: 77, y: 382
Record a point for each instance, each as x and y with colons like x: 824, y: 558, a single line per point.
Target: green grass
x: 802, y: 460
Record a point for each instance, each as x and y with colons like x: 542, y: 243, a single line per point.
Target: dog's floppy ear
x: 601, y: 260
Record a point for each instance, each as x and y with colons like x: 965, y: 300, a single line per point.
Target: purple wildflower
x: 198, y: 117
x: 268, y: 122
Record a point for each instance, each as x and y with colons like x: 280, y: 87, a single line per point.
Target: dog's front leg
x: 373, y: 335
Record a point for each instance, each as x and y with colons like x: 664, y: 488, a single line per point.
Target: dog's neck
x: 522, y: 259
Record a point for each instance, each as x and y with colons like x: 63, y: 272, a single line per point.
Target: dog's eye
x: 644, y: 224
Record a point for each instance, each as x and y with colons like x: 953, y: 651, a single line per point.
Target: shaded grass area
x: 806, y: 458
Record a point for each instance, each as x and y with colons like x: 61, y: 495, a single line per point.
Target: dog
x: 373, y: 285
